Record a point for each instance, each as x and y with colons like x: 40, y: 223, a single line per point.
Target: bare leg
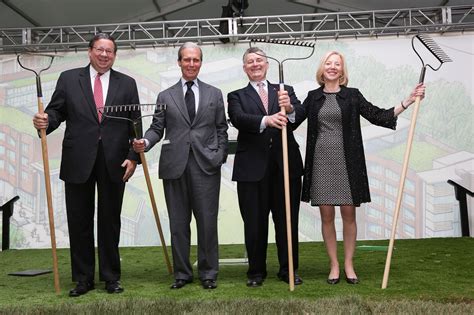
x: 350, y: 234
x: 329, y: 236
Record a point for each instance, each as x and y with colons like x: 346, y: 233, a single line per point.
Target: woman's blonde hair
x: 343, y: 80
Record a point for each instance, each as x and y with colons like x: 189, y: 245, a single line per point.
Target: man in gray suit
x: 194, y: 148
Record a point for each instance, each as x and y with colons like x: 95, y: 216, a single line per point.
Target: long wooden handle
x: 49, y: 198
x: 155, y: 211
x: 286, y: 179
x: 401, y: 186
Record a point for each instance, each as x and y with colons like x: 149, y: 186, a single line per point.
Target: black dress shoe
x: 82, y: 287
x: 333, y: 281
x: 352, y: 280
x: 286, y: 279
x: 113, y: 287
x: 254, y: 282
x: 209, y: 284
x: 179, y: 283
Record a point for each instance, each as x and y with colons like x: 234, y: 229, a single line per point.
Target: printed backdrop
x: 384, y: 69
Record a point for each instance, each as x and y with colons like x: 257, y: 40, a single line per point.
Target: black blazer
x: 353, y: 105
x: 73, y: 102
x: 246, y: 112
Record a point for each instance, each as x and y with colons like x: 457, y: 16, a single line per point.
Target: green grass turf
x: 427, y: 276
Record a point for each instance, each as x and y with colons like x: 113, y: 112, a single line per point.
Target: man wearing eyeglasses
x: 96, y: 154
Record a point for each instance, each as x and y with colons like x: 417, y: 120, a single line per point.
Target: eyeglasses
x: 101, y: 50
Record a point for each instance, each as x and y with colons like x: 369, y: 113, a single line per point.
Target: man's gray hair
x: 188, y: 45
x: 253, y: 50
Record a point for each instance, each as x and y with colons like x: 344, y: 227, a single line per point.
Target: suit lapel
x: 114, y: 83
x: 203, y: 100
x: 253, y: 95
x: 273, y: 106
x: 85, y: 84
x: 176, y: 93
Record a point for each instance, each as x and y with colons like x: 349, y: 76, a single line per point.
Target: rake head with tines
x: 39, y: 90
x: 439, y: 54
x: 434, y: 49
x: 134, y: 107
x: 285, y: 42
x: 108, y: 111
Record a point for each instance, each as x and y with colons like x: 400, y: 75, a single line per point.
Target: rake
x: 284, y: 140
x: 109, y: 111
x: 441, y: 56
x: 47, y: 176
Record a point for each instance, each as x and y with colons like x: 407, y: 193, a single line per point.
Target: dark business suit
x: 258, y: 170
x: 190, y: 165
x: 92, y: 154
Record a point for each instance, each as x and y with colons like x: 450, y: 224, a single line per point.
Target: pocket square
x: 166, y: 141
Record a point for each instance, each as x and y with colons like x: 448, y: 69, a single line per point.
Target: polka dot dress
x: 330, y: 182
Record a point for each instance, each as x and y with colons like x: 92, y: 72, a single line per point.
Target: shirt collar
x: 254, y: 84
x: 94, y: 73
x: 183, y: 82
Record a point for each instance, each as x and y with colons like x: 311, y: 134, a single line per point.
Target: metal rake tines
x: 432, y: 47
x: 133, y: 107
x: 284, y: 42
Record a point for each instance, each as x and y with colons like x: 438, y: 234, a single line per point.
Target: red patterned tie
x: 98, y: 96
x: 263, y: 95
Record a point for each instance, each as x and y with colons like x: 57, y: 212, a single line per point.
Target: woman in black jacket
x: 335, y: 173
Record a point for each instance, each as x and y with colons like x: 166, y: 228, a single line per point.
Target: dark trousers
x: 80, y: 205
x: 256, y: 201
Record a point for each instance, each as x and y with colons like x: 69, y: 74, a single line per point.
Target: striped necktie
x: 263, y: 95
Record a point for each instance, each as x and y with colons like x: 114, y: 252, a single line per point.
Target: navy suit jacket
x: 254, y: 147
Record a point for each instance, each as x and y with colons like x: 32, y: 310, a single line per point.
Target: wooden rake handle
x: 401, y: 186
x: 49, y: 198
x: 155, y: 211
x: 286, y: 179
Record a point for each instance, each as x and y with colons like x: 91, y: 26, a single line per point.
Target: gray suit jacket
x: 206, y: 136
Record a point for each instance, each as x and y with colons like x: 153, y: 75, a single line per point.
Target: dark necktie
x: 190, y: 101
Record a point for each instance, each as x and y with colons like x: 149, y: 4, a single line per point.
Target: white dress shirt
x: 104, y: 80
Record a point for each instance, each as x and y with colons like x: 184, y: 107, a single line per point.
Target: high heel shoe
x: 333, y: 281
x: 351, y: 280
